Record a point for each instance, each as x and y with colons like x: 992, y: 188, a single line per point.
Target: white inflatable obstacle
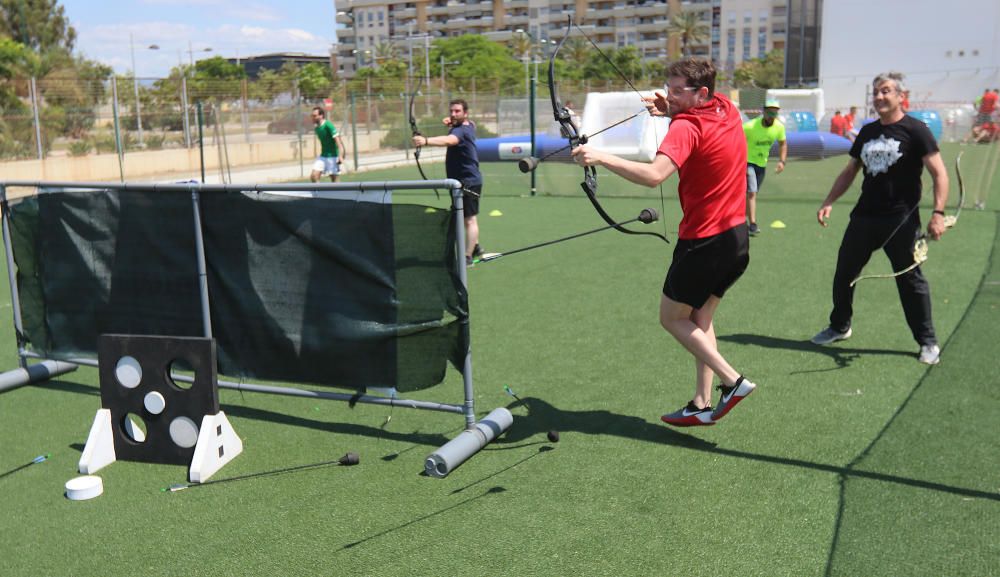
x: 636, y: 139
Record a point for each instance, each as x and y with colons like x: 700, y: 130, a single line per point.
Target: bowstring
x: 656, y: 134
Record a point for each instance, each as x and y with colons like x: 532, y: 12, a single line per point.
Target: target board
x: 159, y: 404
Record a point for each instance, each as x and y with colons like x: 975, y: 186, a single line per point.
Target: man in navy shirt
x: 462, y: 163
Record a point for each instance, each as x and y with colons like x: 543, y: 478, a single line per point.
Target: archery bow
x: 416, y: 132
x: 562, y: 116
x: 920, y: 246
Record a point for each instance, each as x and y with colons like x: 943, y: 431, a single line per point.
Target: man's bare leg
x: 695, y: 330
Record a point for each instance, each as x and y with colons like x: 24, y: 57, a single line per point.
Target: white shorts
x: 327, y: 165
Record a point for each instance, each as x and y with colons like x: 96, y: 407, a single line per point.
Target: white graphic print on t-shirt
x: 879, y: 154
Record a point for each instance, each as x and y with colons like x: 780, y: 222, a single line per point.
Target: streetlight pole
x: 183, y: 91
x: 135, y: 85
x: 409, y: 49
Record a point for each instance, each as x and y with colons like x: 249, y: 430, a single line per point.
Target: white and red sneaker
x: 731, y: 396
x: 690, y: 416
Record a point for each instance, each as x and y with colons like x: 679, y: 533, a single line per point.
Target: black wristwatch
x: 941, y: 212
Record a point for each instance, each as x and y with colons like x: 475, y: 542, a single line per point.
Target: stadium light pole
x: 135, y: 85
x: 349, y: 13
x: 191, y: 52
x: 183, y: 88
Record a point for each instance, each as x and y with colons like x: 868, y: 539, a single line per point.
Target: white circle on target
x: 128, y: 372
x: 184, y: 432
x: 154, y: 403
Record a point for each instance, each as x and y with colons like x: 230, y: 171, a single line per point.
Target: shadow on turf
x: 490, y: 491
x: 415, y: 437
x: 69, y: 387
x: 842, y: 357
x: 543, y: 417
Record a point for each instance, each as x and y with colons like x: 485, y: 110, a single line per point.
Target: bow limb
x: 952, y: 219
x: 416, y: 132
x: 919, y: 257
x: 563, y: 117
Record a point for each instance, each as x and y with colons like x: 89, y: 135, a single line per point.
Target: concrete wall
x: 182, y: 162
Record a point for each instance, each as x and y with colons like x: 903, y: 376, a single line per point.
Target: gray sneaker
x: 930, y: 354
x: 829, y: 335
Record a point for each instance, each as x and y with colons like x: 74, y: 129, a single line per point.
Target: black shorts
x: 707, y: 266
x: 470, y: 202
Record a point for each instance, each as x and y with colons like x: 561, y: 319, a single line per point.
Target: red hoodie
x: 708, y: 147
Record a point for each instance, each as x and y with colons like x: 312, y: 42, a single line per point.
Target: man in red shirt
x: 838, y: 124
x: 987, y: 105
x: 706, y: 147
x: 849, y: 131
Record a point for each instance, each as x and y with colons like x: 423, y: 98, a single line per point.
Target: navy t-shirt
x: 462, y: 160
x: 892, y: 156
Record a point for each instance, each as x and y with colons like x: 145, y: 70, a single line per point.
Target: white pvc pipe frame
x: 48, y: 368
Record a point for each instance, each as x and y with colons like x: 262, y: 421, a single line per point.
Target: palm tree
x: 386, y: 51
x: 689, y: 26
x: 576, y: 51
x: 521, y: 46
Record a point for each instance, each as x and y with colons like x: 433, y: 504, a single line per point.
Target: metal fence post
x: 34, y: 109
x: 531, y: 114
x: 118, y: 137
x: 354, y: 132
x: 184, y: 112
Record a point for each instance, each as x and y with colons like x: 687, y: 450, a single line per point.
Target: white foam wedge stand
x: 217, y: 445
x: 100, y: 449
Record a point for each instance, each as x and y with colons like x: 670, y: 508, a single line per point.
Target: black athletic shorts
x: 707, y: 266
x: 470, y: 202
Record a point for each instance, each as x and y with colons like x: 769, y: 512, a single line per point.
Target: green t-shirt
x: 326, y: 134
x: 760, y: 138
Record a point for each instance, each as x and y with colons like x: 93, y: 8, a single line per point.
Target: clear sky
x: 231, y: 28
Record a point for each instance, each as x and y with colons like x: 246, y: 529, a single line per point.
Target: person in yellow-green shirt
x: 761, y: 132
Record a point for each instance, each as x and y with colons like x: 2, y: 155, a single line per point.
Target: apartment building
x: 736, y: 30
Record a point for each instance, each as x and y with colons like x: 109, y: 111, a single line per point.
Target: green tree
x: 41, y: 25
x: 627, y: 61
x: 385, y: 52
x: 72, y: 93
x: 314, y: 81
x: 474, y: 56
x: 765, y: 72
x: 575, y: 52
x: 520, y: 46
x: 689, y: 26
x: 272, y: 83
x: 216, y: 78
x: 15, y: 123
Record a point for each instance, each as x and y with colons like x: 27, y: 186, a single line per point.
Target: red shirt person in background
x: 838, y: 124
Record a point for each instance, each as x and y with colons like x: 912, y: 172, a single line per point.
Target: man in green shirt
x: 761, y: 133
x: 331, y: 148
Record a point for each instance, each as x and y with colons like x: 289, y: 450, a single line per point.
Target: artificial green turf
x: 852, y: 459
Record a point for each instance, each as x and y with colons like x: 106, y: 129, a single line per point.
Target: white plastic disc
x: 83, y: 488
x: 128, y: 372
x: 154, y: 402
x: 184, y: 432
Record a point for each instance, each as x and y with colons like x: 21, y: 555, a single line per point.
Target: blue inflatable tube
x: 813, y: 145
x: 806, y: 145
x: 514, y: 148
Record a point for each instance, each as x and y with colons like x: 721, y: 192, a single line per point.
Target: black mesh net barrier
x: 340, y: 289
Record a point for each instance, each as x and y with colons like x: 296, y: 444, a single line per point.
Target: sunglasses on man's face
x: 770, y: 112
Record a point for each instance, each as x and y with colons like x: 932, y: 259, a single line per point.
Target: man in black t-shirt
x: 893, y: 153
x: 462, y: 163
